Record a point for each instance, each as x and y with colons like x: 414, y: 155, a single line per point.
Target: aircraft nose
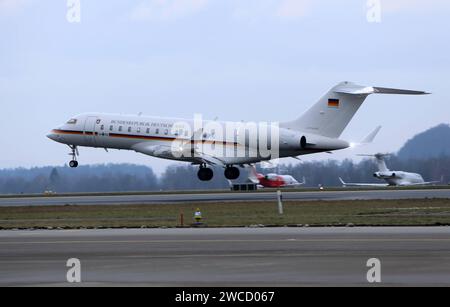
x: 52, y: 136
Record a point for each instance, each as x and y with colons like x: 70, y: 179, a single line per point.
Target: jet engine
x: 298, y: 141
x: 385, y: 175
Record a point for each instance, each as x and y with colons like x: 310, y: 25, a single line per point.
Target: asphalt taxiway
x: 227, y: 257
x: 224, y: 197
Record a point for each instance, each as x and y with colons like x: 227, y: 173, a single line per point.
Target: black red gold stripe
x: 137, y: 137
x: 333, y: 103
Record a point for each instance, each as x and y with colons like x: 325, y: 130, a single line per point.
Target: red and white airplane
x: 273, y: 180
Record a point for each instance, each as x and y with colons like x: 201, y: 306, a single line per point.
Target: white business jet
x: 392, y: 178
x: 318, y: 130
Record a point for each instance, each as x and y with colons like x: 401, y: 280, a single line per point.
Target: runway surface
x: 224, y: 197
x: 227, y: 257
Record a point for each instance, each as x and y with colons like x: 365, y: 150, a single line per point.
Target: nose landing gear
x: 74, y: 154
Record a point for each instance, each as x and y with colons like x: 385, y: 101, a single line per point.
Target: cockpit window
x: 73, y: 121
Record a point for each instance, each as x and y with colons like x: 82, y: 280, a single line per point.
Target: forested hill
x: 432, y: 143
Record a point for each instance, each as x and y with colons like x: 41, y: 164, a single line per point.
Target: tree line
x: 129, y: 177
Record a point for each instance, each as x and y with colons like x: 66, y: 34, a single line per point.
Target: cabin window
x: 138, y: 130
x: 148, y: 131
x: 73, y: 121
x: 166, y: 132
x: 102, y: 127
x: 111, y: 128
x: 129, y: 129
x: 157, y: 131
x: 120, y: 128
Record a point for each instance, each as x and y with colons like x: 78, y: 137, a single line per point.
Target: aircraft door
x: 89, y: 130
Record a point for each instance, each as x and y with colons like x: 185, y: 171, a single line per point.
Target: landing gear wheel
x: 232, y: 173
x: 74, y: 153
x: 205, y: 174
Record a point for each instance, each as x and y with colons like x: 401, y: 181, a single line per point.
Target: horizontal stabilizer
x: 377, y: 156
x: 383, y: 90
x: 354, y: 89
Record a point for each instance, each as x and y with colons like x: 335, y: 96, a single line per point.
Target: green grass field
x: 431, y: 212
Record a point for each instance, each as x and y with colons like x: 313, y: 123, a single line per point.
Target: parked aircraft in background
x: 392, y: 178
x: 318, y: 130
x: 273, y: 180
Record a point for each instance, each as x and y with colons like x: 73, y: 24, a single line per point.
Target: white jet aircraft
x: 393, y: 178
x: 318, y: 130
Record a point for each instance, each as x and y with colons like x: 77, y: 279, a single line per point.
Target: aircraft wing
x: 153, y: 150
x: 207, y: 159
x: 379, y: 185
x: 162, y: 151
x: 423, y: 183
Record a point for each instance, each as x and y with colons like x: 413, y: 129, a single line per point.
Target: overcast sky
x: 233, y: 59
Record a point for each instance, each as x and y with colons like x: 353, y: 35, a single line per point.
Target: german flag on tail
x: 333, y: 103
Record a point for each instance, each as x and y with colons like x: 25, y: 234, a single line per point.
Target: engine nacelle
x: 316, y: 142
x: 298, y: 141
x: 385, y: 175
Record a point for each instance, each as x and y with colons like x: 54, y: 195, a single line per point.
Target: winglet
x: 342, y: 181
x: 369, y: 139
x: 253, y: 175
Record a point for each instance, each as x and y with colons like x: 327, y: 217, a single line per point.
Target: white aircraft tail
x: 334, y: 111
x: 380, y: 161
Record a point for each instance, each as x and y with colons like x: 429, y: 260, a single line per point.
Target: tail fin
x: 334, y: 111
x: 380, y: 161
x: 304, y: 181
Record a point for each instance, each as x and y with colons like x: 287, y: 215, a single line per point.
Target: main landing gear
x: 74, y: 154
x: 207, y: 174
x: 232, y: 173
